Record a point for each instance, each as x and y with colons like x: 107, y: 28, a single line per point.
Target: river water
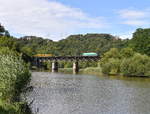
x: 87, y: 94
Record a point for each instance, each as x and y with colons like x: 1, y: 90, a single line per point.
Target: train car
x: 43, y: 55
x: 89, y: 54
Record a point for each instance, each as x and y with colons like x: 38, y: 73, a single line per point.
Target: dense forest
x: 72, y: 45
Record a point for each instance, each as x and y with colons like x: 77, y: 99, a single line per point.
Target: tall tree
x: 2, y: 30
x: 141, y: 41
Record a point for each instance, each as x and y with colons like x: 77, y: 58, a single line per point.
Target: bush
x: 138, y: 65
x: 125, y: 62
x: 127, y: 52
x: 111, y: 67
x: 14, y: 75
x: 112, y: 53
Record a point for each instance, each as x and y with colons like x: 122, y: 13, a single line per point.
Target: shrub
x: 138, y: 65
x: 112, y: 53
x: 111, y: 67
x: 127, y: 52
x: 14, y: 75
x: 125, y: 62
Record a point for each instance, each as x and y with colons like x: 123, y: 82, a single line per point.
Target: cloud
x: 136, y: 22
x: 126, y: 35
x: 132, y: 14
x: 135, y: 17
x: 45, y: 18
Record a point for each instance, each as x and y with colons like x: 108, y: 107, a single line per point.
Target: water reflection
x: 85, y: 94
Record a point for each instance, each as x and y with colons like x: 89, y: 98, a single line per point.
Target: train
x: 43, y: 55
x: 89, y: 54
x: 51, y: 55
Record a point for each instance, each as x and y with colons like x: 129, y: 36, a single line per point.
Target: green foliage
x: 92, y: 70
x: 112, y: 66
x: 73, y: 45
x: 125, y: 62
x: 127, y: 52
x: 3, y: 32
x: 99, y: 43
x: 138, y: 65
x: 8, y: 42
x: 141, y: 41
x: 31, y: 45
x: 14, y: 75
x: 14, y: 108
x: 112, y: 53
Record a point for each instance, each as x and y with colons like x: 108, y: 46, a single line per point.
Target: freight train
x: 51, y: 55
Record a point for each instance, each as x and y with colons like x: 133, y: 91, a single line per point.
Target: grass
x: 92, y: 70
x: 66, y: 70
x: 89, y: 70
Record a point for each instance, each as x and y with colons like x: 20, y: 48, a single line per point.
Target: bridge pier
x: 75, y: 67
x: 54, y: 66
x: 37, y: 63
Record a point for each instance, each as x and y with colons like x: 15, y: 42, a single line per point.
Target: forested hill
x: 72, y: 45
x: 100, y: 43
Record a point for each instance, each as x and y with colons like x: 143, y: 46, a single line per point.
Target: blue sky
x: 109, y: 9
x: 56, y: 19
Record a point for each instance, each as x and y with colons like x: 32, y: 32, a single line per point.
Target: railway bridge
x: 55, y: 59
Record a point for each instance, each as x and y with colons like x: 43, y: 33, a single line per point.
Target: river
x: 87, y: 94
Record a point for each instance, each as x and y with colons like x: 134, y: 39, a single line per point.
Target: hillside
x: 72, y: 45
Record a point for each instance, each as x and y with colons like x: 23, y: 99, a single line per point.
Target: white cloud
x: 135, y: 17
x: 45, y: 18
x: 133, y: 14
x: 136, y: 22
x: 125, y: 35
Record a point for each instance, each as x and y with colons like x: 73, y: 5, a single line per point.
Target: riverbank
x: 89, y: 70
x: 97, y: 71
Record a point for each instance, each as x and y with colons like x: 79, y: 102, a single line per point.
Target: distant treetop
x: 3, y: 31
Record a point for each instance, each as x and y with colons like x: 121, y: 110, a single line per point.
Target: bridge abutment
x: 54, y: 66
x: 75, y: 67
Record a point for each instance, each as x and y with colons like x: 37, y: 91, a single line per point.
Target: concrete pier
x: 55, y: 66
x: 75, y: 67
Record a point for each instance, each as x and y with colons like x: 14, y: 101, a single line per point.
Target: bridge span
x: 37, y: 61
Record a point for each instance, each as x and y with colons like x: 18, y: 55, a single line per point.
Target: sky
x: 57, y: 19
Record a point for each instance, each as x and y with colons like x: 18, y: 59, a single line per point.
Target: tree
x: 2, y: 30
x: 8, y: 42
x: 141, y: 41
x: 138, y: 65
x: 7, y: 33
x: 127, y: 52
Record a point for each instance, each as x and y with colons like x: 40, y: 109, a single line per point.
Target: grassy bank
x: 97, y: 71
x: 66, y: 70
x: 91, y: 70
x: 14, y: 75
